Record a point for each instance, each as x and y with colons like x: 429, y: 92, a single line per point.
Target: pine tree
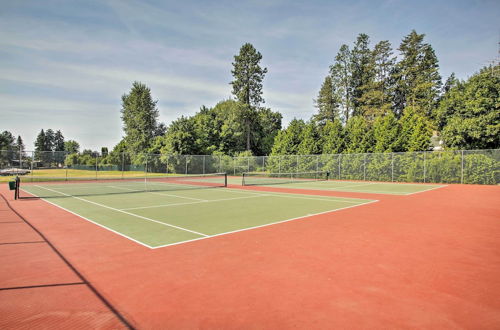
x: 58, y: 141
x: 416, y: 76
x: 19, y: 144
x: 386, y: 133
x: 49, y: 140
x: 247, y: 84
x: 358, y: 135
x: 362, y: 72
x: 139, y: 115
x: 341, y: 73
x: 309, y: 140
x: 327, y: 103
x: 416, y: 131
x: 376, y: 99
x: 332, y: 137
x: 40, y: 143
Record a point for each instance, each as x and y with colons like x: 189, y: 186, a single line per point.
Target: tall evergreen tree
x: 19, y: 144
x: 49, y: 140
x: 341, y: 73
x: 376, y: 99
x: 416, y: 132
x: 386, y: 133
x: 332, y: 137
x: 358, y: 135
x: 362, y: 72
x: 327, y: 103
x: 58, y: 141
x: 309, y: 140
x: 139, y: 115
x: 416, y: 76
x: 40, y: 142
x: 247, y: 84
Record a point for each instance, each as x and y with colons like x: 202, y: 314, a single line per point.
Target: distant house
x: 436, y: 142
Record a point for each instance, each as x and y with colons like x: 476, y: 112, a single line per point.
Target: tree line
x: 373, y: 99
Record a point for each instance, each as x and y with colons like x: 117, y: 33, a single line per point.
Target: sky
x: 65, y: 64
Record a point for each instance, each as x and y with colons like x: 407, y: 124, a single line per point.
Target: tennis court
x: 320, y: 181
x: 157, y: 212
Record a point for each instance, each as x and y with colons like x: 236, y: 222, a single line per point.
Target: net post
x: 225, y: 179
x: 16, y: 191
x: 243, y: 180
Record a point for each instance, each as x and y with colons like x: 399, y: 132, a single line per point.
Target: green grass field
x: 160, y: 218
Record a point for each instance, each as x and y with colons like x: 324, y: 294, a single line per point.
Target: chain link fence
x: 452, y: 166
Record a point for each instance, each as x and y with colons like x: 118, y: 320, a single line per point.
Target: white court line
x: 204, y: 235
x: 417, y: 192
x: 125, y: 212
x: 189, y: 203
x: 95, y: 223
x: 292, y: 195
x: 266, y: 225
x: 356, y: 185
x: 157, y: 193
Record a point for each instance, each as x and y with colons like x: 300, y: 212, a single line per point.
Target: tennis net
x: 64, y: 187
x: 262, y: 178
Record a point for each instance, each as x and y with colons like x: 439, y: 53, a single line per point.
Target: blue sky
x: 65, y: 64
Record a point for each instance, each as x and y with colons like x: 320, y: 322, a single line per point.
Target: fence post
x: 425, y: 168
x: 462, y: 172
x: 123, y: 164
x: 32, y: 160
x: 66, y: 155
x: 279, y: 164
x: 392, y: 167
x: 186, y: 159
x: 234, y: 166
x: 248, y: 164
x: 96, y: 160
x: 364, y: 168
x: 264, y: 164
x: 340, y: 157
x: 204, y: 164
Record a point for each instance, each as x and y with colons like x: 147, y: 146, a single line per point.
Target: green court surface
x: 178, y: 214
x: 394, y: 188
